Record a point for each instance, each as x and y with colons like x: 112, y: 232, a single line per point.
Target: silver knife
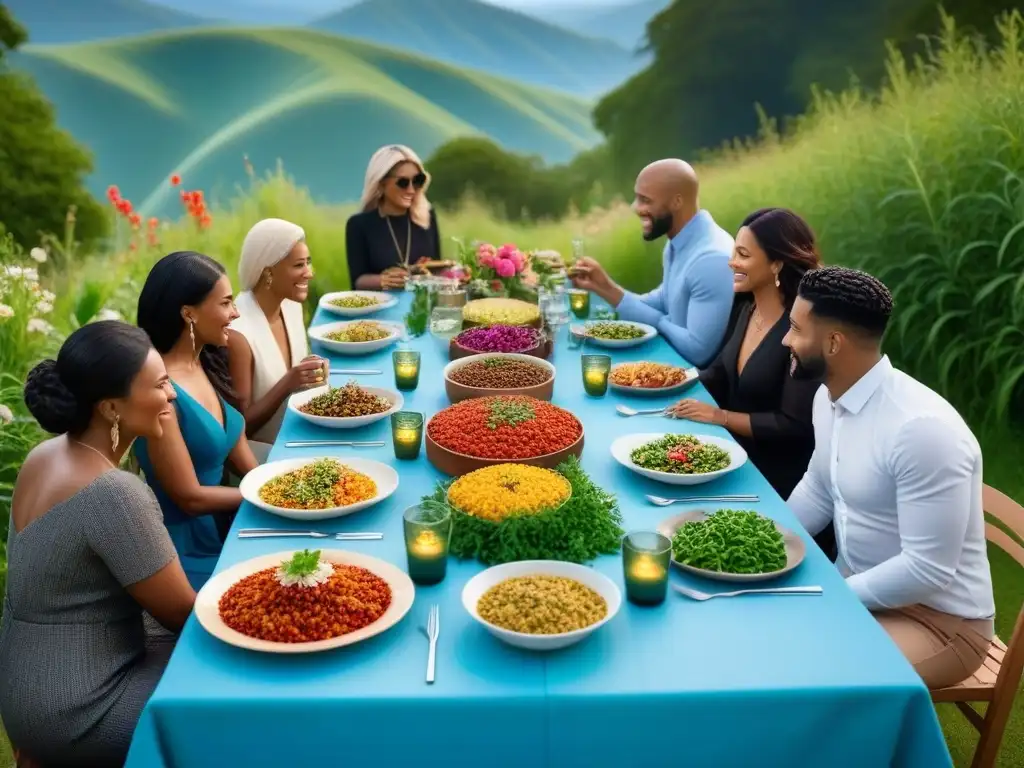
x: 268, y: 534
x: 356, y: 372
x: 334, y: 443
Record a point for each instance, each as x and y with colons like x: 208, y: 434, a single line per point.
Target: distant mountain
x: 625, y: 24
x: 196, y: 101
x: 69, y: 21
x: 481, y: 36
x: 281, y: 12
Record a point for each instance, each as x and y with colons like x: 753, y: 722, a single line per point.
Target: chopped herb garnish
x: 302, y: 564
x: 510, y: 413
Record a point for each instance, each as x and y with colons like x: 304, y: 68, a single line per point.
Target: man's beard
x: 806, y: 370
x: 660, y: 226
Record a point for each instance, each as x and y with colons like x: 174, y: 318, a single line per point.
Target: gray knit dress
x: 75, y: 662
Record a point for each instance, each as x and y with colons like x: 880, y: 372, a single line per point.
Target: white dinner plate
x: 384, y: 301
x: 383, y: 475
x: 494, y: 575
x: 625, y: 445
x: 649, y: 333
x: 299, y: 399
x: 691, y: 377
x: 207, y: 609
x: 318, y: 334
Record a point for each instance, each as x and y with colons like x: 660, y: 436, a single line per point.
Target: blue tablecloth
x: 765, y: 681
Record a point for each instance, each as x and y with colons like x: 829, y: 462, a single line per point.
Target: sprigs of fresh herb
x: 418, y: 318
x: 302, y: 564
x: 587, y: 525
x: 508, y: 412
x: 731, y: 541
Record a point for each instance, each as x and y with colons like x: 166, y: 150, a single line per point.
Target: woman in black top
x: 397, y: 227
x: 766, y: 409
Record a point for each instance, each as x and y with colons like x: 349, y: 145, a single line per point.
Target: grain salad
x: 321, y: 484
x: 349, y: 401
x: 541, y: 605
x: 680, y: 455
x: 500, y: 373
x: 359, y: 332
x: 505, y: 311
x: 506, y: 490
x: 614, y: 331
x: 355, y: 301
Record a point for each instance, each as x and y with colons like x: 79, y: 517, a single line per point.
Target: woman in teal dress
x: 186, y: 306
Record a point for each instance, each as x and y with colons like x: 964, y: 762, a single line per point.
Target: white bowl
x: 625, y: 445
x: 318, y: 334
x: 207, y: 607
x: 336, y: 422
x: 649, y: 333
x: 385, y: 301
x: 383, y: 475
x: 692, y: 375
x: 597, y: 581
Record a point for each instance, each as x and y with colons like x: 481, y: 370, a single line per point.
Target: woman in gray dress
x: 87, y: 554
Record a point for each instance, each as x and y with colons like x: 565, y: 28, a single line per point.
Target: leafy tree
x: 42, y: 168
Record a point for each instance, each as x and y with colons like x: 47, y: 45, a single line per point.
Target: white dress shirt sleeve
x: 811, y: 500
x: 934, y: 467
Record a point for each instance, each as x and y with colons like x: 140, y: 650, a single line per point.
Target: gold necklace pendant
x: 403, y: 258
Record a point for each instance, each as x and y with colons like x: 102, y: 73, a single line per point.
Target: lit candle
x: 406, y: 370
x: 646, y: 569
x: 407, y: 436
x: 645, y: 562
x: 595, y: 379
x: 426, y: 544
x: 579, y: 302
x: 595, y: 374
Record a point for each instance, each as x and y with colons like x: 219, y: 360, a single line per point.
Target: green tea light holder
x: 427, y: 535
x: 579, y: 303
x: 407, y: 434
x: 595, y: 374
x: 407, y: 369
x: 646, y: 557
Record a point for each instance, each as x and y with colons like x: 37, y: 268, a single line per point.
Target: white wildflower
x: 38, y: 255
x: 29, y: 275
x: 38, y: 325
x: 109, y: 314
x: 44, y: 307
x: 13, y: 271
x: 49, y: 296
x: 6, y: 414
x: 6, y: 312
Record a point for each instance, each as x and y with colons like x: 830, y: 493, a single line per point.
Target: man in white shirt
x: 899, y: 472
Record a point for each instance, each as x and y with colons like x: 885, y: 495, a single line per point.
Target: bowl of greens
x: 736, y: 545
x: 678, y: 459
x: 617, y: 334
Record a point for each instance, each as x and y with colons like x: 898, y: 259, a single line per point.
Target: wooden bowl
x: 457, y: 392
x: 541, y: 350
x: 457, y: 464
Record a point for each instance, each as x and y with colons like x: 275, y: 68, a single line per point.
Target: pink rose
x: 505, y: 267
x: 519, y: 259
x: 506, y: 251
x: 487, y: 260
x: 485, y: 249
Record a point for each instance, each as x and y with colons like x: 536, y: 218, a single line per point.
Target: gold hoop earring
x: 192, y: 335
x: 115, y: 432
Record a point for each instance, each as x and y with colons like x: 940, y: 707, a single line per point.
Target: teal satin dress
x: 196, y: 539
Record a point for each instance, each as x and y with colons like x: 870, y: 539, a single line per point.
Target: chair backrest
x: 1011, y: 514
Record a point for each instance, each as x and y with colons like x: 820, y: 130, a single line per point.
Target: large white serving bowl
x: 649, y: 333
x: 383, y: 475
x: 597, y: 581
x: 318, y: 333
x: 207, y: 609
x: 625, y: 445
x: 384, y: 301
x: 299, y: 399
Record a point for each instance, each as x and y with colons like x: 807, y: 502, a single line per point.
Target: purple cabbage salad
x: 499, y: 338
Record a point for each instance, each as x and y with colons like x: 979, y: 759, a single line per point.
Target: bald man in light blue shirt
x: 692, y: 305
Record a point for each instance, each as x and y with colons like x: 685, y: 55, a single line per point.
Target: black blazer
x: 779, y: 405
x: 370, y: 248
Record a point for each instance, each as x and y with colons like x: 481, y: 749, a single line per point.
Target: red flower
x: 185, y: 196
x: 133, y: 247
x: 154, y: 222
x: 175, y: 179
x: 205, y: 220
x: 124, y: 206
x: 113, y: 193
x: 152, y: 239
x: 135, y: 220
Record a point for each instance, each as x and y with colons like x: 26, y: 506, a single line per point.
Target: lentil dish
x: 359, y: 332
x: 499, y: 338
x: 505, y: 490
x: 647, y: 375
x: 321, y: 484
x: 680, y: 455
x: 614, y: 331
x: 506, y: 311
x: 500, y: 373
x: 355, y: 301
x: 504, y: 427
x: 346, y: 402
x: 541, y: 605
x: 340, y: 600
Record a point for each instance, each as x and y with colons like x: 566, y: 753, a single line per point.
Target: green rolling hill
x: 474, y: 34
x: 69, y: 21
x: 196, y: 101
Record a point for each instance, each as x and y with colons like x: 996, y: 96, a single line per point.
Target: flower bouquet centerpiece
x: 509, y: 512
x: 496, y: 272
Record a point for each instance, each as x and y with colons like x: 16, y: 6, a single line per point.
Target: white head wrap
x: 267, y: 243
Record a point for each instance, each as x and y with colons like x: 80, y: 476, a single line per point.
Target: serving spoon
x: 625, y: 410
x: 661, y: 501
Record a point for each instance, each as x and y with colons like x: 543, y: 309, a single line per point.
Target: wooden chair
x: 997, y: 680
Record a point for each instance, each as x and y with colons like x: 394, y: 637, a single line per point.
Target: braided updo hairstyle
x: 97, y: 362
x: 849, y: 296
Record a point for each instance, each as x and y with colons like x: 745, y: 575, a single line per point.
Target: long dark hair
x: 97, y: 362
x: 785, y: 237
x: 179, y: 279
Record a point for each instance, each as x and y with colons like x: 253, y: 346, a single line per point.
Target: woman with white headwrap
x: 268, y: 352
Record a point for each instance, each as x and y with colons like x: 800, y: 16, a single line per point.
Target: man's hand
x: 588, y: 275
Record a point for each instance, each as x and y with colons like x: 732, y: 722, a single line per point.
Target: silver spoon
x: 625, y: 410
x: 661, y: 501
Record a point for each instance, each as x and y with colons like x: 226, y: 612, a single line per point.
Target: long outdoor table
x: 760, y: 680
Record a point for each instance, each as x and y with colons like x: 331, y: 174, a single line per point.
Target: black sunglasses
x: 417, y: 181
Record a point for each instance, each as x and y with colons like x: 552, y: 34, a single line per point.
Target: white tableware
x: 299, y: 399
x: 649, y: 333
x: 494, y: 575
x: 208, y: 613
x: 661, y: 501
x: 385, y: 301
x: 433, y: 631
x: 318, y: 333
x: 796, y: 551
x: 383, y: 475
x: 691, y: 378
x: 696, y: 594
x: 625, y: 445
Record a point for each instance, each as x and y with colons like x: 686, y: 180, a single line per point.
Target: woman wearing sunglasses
x: 397, y: 227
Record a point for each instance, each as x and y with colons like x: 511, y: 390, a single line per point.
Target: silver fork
x: 334, y: 443
x: 695, y: 594
x: 433, y: 629
x: 661, y: 501
x: 268, y: 533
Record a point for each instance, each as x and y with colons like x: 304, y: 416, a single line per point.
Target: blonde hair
x: 381, y: 164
